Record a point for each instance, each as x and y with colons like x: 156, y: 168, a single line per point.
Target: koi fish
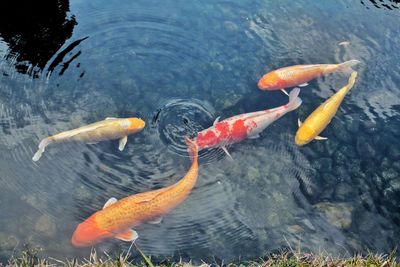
x: 108, y: 129
x: 300, y: 75
x: 117, y: 217
x: 248, y: 125
x: 322, y: 116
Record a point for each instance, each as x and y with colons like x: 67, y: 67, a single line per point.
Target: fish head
x: 303, y: 136
x: 88, y: 233
x: 136, y: 125
x: 271, y: 81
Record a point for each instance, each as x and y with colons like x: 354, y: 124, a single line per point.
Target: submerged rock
x: 7, y: 242
x: 337, y: 214
x: 344, y: 191
x: 45, y: 225
x: 364, y: 148
x: 390, y: 174
x: 394, y: 151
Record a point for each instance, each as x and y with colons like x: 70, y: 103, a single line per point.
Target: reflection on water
x: 385, y: 4
x: 179, y: 66
x: 34, y: 31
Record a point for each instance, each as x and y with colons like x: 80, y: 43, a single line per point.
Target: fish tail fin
x: 347, y: 67
x: 294, y: 99
x: 192, y: 148
x: 352, y: 80
x: 42, y: 145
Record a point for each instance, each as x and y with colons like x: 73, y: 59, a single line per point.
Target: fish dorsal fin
x: 156, y: 220
x: 109, y: 118
x: 83, y: 129
x: 148, y: 196
x: 110, y: 202
x: 128, y: 236
x: 299, y: 123
x: 216, y: 120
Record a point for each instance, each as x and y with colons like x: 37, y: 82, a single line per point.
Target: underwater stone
x: 331, y: 146
x: 364, y: 148
x: 395, y: 184
x: 323, y: 164
x: 45, y: 225
x: 342, y: 134
x: 378, y: 180
x: 273, y: 219
x: 337, y: 214
x: 396, y: 165
x: 295, y: 229
x: 308, y: 224
x: 7, y: 242
x: 230, y: 26
x: 389, y: 174
x: 367, y: 200
x: 385, y: 163
x: 343, y: 191
x: 370, y: 127
x: 353, y: 125
x: 339, y: 158
x: 394, y: 151
x: 253, y: 174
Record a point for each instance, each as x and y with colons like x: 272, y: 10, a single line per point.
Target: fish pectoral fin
x: 226, y: 152
x: 129, y: 236
x: 303, y: 84
x: 285, y: 92
x: 216, y: 120
x: 92, y: 143
x: 122, y: 143
x: 299, y: 123
x: 110, y: 202
x: 156, y: 220
x: 320, y: 138
x: 253, y: 136
x: 110, y: 118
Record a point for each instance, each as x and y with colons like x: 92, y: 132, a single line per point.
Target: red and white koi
x: 240, y: 127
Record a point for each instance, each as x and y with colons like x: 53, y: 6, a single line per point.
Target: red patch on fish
x: 223, y: 133
x: 277, y: 115
x: 239, y: 130
x: 206, y: 139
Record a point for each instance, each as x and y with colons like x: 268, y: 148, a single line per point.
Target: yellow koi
x: 108, y: 129
x: 322, y: 116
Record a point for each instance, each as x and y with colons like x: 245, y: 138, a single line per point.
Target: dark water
x: 179, y: 65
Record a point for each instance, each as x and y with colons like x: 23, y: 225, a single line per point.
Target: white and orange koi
x: 248, y: 125
x: 117, y: 217
x: 300, y: 75
x: 108, y: 129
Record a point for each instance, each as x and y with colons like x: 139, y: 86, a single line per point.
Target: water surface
x: 179, y: 65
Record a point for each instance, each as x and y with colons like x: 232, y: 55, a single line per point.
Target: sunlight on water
x: 179, y: 66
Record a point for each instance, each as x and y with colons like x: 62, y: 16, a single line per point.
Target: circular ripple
x: 182, y: 118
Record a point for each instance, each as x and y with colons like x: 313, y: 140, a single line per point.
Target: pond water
x: 179, y: 65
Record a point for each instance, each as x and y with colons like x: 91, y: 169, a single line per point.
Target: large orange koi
x: 117, y: 217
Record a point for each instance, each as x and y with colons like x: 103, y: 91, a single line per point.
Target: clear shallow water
x: 179, y: 65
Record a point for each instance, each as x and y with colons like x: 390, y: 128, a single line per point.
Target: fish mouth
x: 300, y: 142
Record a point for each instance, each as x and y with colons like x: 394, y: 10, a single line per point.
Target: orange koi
x: 117, y: 217
x: 300, y: 75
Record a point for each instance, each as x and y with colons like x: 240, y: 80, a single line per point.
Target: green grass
x: 31, y: 257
